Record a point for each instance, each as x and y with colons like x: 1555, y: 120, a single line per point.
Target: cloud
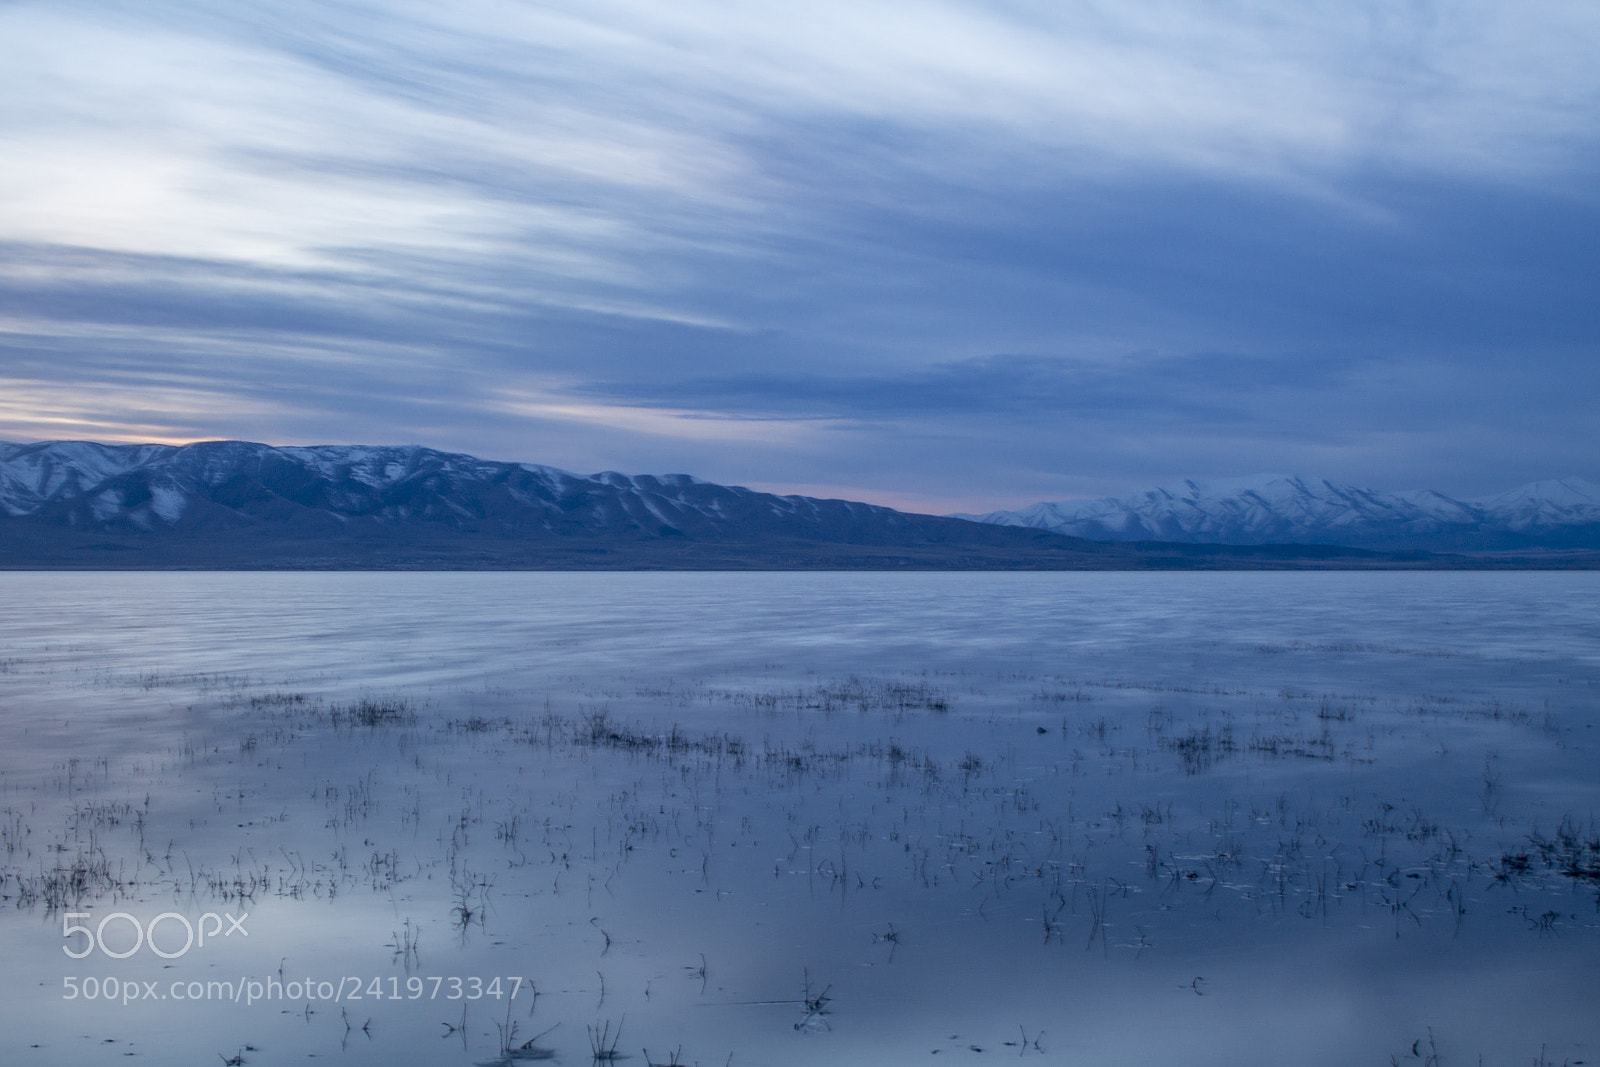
x: 911, y: 246
x: 284, y: 133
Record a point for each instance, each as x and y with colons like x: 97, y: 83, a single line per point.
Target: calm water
x: 800, y: 818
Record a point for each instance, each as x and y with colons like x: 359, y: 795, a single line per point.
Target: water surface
x: 805, y: 818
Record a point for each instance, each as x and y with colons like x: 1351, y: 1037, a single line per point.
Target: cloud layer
x: 947, y: 254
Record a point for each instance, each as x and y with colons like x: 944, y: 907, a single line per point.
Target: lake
x: 790, y: 818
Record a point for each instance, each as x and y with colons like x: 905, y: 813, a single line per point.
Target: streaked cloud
x: 925, y: 249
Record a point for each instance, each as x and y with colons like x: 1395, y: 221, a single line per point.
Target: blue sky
x: 946, y: 256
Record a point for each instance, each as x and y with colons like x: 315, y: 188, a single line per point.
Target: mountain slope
x: 234, y: 485
x: 234, y: 503
x: 1293, y: 510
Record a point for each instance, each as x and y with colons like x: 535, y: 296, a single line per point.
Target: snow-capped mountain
x: 236, y: 484
x: 231, y: 502
x: 240, y: 504
x: 1269, y: 509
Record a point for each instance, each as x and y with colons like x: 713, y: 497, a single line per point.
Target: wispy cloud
x: 286, y: 132
x: 789, y: 241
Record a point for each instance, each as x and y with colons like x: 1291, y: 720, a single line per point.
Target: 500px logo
x: 194, y: 934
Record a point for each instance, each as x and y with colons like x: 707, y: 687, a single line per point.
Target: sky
x: 946, y: 256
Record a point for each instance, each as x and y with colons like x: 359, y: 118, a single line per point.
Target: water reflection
x: 804, y: 818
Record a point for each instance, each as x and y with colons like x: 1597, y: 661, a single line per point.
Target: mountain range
x: 238, y: 504
x: 1273, y: 509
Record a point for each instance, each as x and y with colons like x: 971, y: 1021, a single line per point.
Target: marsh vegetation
x: 1068, y: 818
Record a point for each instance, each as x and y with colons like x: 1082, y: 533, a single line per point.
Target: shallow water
x: 803, y: 818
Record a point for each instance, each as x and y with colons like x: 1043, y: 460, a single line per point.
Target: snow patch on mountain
x: 1264, y: 509
x: 306, y: 492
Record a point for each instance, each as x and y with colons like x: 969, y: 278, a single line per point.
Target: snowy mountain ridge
x: 1268, y: 509
x: 242, y: 504
x: 147, y: 487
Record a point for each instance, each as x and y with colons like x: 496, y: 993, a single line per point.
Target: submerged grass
x: 1079, y: 831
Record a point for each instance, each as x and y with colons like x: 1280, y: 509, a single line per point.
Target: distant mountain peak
x: 1293, y: 509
